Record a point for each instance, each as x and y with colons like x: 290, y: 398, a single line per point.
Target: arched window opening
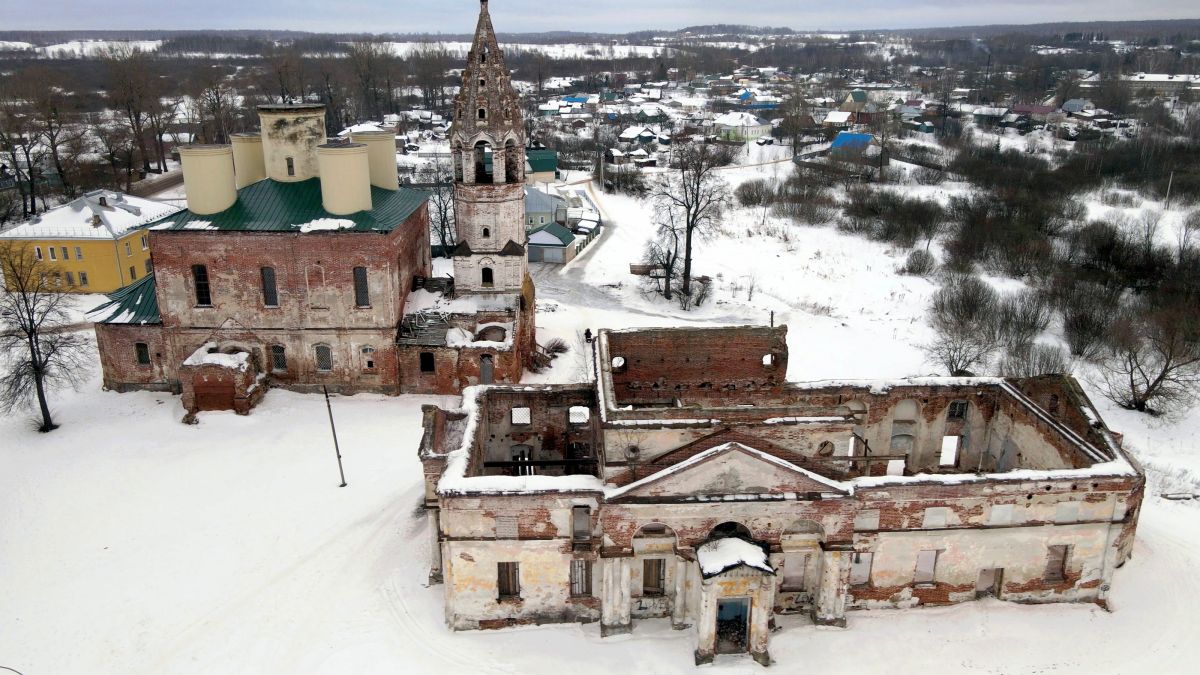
x: 731, y: 529
x: 486, y: 233
x: 483, y: 172
x: 482, y: 113
x: 486, y: 278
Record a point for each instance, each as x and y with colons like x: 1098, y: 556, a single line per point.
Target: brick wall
x: 118, y: 357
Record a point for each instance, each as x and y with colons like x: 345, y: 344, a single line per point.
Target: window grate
x: 581, y: 578
x: 269, y: 289
x: 521, y: 416
x: 324, y: 358
x: 278, y: 358
x: 362, y: 295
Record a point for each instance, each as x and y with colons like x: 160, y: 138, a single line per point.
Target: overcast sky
x: 457, y: 16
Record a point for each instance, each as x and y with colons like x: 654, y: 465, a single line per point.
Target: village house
x: 302, y: 263
x: 94, y: 243
x: 740, y: 126
x: 691, y: 483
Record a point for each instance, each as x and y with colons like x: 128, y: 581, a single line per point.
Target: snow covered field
x: 131, y: 543
x: 556, y: 51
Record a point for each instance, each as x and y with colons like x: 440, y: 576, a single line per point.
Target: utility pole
x: 1170, y: 179
x: 337, y: 450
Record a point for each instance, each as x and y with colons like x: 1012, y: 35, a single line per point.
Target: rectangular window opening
x: 508, y: 580
x: 200, y: 281
x: 362, y: 295
x: 794, y: 567
x: 270, y: 292
x: 581, y: 578
x: 860, y: 568
x: 428, y: 364
x: 83, y: 280
x: 1056, y: 562
x: 78, y: 253
x: 949, y: 454
x: 522, y: 416
x: 926, y: 567
x: 143, y: 353
x: 653, y: 576
x: 132, y: 273
x: 581, y: 523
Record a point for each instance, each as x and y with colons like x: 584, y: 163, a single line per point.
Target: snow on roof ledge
x: 207, y: 356
x: 720, y: 555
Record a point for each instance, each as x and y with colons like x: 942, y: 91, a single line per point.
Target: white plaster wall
x: 1020, y: 551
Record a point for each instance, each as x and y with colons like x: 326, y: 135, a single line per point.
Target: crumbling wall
x: 660, y: 365
x: 117, y: 346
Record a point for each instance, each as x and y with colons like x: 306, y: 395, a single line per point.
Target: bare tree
x: 20, y: 143
x: 663, y: 253
x: 41, y: 352
x: 1152, y: 362
x: 1186, y: 236
x: 119, y: 151
x: 960, y: 351
x: 439, y: 178
x: 53, y: 119
x: 132, y: 89
x: 962, y: 314
x: 696, y: 195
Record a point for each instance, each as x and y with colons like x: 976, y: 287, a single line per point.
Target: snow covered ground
x: 131, y: 543
x: 555, y: 51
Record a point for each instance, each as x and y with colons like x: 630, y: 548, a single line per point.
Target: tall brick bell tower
x: 488, y: 145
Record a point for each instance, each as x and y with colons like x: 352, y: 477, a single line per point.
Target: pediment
x: 731, y: 469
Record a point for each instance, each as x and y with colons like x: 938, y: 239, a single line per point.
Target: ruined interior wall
x: 663, y: 364
x: 549, y: 431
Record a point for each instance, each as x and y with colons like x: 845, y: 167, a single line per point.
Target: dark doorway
x: 213, y: 395
x: 988, y: 585
x: 733, y: 625
x: 486, y: 370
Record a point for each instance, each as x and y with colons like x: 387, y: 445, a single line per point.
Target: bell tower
x: 487, y: 140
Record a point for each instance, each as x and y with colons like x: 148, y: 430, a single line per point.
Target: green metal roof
x: 557, y: 231
x: 272, y: 206
x: 136, y: 303
x: 542, y: 160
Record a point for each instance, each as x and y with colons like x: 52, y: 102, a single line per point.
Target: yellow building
x: 97, y: 242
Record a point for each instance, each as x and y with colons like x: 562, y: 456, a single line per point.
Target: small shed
x: 551, y: 243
